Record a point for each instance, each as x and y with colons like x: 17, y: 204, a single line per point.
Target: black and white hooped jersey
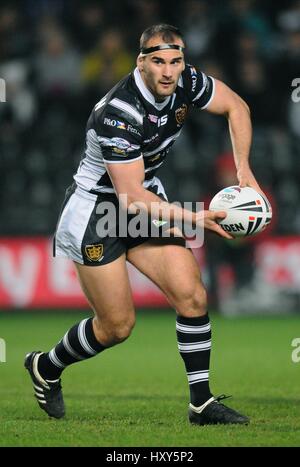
x: 127, y: 124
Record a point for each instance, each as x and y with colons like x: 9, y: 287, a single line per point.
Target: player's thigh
x: 108, y: 290
x: 174, y: 269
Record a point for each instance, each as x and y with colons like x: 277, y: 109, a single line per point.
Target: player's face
x: 161, y: 70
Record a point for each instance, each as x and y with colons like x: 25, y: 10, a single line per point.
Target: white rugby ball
x: 248, y: 212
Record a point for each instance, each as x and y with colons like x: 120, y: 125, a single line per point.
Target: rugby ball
x: 248, y: 212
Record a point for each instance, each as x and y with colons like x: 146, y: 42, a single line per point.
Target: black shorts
x: 87, y: 234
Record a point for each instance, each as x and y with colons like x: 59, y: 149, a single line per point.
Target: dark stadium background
x: 58, y: 58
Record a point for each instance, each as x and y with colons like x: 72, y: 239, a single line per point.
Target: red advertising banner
x: 278, y: 261
x: 31, y: 278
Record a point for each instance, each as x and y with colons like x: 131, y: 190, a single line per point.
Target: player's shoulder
x: 122, y: 101
x: 197, y: 86
x: 193, y: 78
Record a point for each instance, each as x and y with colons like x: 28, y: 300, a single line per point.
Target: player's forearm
x: 148, y: 202
x: 240, y: 128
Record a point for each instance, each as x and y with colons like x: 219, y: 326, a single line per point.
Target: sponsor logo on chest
x: 121, y: 125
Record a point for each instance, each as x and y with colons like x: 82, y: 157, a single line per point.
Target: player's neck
x: 157, y: 99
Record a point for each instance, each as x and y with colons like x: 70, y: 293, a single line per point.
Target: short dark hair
x: 165, y: 31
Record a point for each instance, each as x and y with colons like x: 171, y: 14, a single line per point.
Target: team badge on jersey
x: 180, y: 114
x: 94, y: 252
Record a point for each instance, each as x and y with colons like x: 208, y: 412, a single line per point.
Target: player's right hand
x: 208, y: 220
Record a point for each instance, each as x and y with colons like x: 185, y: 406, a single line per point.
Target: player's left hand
x: 246, y: 178
x: 209, y: 220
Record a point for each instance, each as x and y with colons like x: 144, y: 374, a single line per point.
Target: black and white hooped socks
x: 78, y: 344
x: 194, y: 343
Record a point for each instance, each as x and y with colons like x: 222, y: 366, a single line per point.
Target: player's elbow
x: 242, y: 105
x: 245, y: 106
x: 238, y: 107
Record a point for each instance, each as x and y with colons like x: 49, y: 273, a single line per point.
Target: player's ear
x: 140, y: 63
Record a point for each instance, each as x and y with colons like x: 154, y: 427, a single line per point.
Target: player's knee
x: 191, y: 301
x: 122, y: 331
x: 200, y: 300
x: 116, y: 331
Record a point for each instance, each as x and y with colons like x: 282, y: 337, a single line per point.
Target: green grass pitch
x: 136, y: 394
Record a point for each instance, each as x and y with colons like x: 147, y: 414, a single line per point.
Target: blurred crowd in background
x: 59, y: 57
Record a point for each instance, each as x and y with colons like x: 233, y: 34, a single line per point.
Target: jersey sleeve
x: 198, y: 87
x: 119, y: 135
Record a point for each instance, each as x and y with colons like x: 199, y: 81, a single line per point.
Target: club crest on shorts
x: 180, y: 114
x: 94, y: 252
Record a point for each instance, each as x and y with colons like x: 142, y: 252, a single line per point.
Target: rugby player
x: 128, y: 136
